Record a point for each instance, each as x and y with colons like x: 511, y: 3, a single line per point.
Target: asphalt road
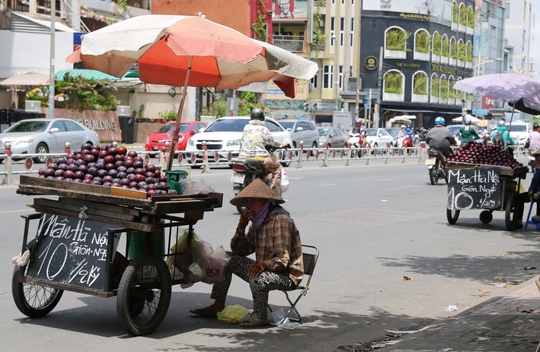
x: 373, y: 224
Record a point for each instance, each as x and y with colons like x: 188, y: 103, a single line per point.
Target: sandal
x: 204, y: 312
x: 252, y: 321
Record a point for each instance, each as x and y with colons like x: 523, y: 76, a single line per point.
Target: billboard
x: 433, y: 10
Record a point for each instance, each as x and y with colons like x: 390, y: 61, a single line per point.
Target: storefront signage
x: 371, y: 63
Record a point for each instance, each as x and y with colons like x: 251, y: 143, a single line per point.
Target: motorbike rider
x: 508, y: 141
x: 358, y: 127
x: 534, y: 138
x: 467, y: 133
x: 409, y: 133
x: 440, y: 137
x: 255, y: 138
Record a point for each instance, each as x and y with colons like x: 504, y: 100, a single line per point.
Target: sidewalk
x: 493, y: 326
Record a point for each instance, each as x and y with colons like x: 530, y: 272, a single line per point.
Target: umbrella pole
x: 179, y: 116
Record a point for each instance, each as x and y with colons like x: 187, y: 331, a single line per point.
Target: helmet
x: 501, y: 123
x: 439, y: 121
x: 358, y: 121
x: 467, y: 120
x: 257, y: 114
x: 536, y: 126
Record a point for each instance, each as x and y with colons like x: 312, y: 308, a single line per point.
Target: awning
x: 86, y: 74
x: 24, y: 81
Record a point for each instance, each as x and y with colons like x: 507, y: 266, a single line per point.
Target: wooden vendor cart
x: 488, y: 187
x: 76, y: 248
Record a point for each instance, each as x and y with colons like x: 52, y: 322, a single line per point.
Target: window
x: 352, y: 32
x: 315, y: 82
x: 59, y: 125
x: 341, y: 31
x: 72, y: 126
x: 273, y: 127
x: 328, y: 72
x: 340, y: 78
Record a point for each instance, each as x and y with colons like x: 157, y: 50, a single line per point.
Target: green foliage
x: 396, y: 39
x: 462, y: 51
x: 444, y: 89
x: 420, y: 84
x: 470, y: 17
x: 437, y: 41
x: 393, y: 83
x: 453, y: 49
x: 463, y: 14
x: 423, y: 40
x: 469, y: 56
x: 248, y: 102
x: 455, y: 12
x: 80, y: 94
x: 169, y: 115
x: 445, y: 47
x: 217, y: 109
x: 318, y: 31
x: 435, y: 84
x: 141, y: 111
x: 258, y: 26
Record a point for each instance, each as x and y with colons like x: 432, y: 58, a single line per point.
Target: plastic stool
x: 529, y: 221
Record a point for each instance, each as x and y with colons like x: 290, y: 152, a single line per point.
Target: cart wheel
x: 433, y: 177
x: 510, y: 212
x: 144, y: 294
x: 486, y: 216
x: 34, y: 301
x: 452, y: 216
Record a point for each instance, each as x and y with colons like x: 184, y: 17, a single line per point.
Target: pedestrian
x: 275, y: 240
x: 534, y: 138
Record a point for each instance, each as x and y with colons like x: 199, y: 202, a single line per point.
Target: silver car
x: 43, y: 135
x: 332, y: 136
x: 302, y: 131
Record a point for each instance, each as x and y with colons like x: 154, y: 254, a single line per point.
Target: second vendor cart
x: 488, y: 187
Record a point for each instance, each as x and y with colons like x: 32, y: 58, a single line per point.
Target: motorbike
x: 357, y: 140
x: 246, y: 171
x: 532, y: 161
x: 436, y: 164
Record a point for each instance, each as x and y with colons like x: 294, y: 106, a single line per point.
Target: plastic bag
x: 215, y: 265
x: 284, y: 180
x: 196, y: 187
x: 232, y: 314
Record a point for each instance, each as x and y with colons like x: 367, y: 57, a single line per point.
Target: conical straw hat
x: 256, y: 189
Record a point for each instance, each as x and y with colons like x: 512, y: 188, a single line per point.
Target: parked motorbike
x: 246, y: 171
x: 436, y: 164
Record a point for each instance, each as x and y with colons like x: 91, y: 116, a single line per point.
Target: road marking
x: 13, y: 211
x: 326, y: 185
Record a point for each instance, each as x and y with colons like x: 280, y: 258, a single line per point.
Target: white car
x: 223, y: 136
x: 519, y: 131
x: 379, y: 138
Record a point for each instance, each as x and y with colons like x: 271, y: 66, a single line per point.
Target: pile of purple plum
x: 108, y: 166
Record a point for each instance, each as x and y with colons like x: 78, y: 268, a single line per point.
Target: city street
x: 389, y: 260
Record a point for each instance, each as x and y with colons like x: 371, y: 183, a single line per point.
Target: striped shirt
x: 276, y: 243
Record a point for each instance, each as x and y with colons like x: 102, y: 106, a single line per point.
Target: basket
x: 174, y: 178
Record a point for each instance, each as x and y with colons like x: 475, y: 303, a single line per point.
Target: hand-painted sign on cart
x: 71, y: 251
x: 475, y: 188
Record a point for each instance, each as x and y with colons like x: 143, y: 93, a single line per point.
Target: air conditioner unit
x: 123, y: 110
x: 32, y: 105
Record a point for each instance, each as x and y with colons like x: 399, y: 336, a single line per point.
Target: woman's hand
x: 245, y: 218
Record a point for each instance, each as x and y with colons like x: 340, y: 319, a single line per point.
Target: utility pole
x: 52, y: 59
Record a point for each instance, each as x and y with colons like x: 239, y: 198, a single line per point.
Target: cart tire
x: 510, y: 212
x: 486, y: 216
x: 433, y: 178
x: 452, y: 216
x: 34, y: 301
x: 144, y: 295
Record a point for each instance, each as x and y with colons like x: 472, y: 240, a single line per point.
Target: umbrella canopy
x: 170, y: 48
x: 520, y: 90
x: 474, y: 120
x: 24, y: 81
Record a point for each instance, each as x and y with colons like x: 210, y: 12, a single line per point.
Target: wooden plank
x: 102, y: 206
x: 179, y: 206
x: 38, y: 190
x: 77, y: 208
x: 133, y: 225
x: 520, y: 172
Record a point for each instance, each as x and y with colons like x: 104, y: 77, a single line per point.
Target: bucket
x: 137, y: 241
x: 174, y: 178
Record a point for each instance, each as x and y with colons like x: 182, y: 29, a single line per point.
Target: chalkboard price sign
x: 71, y: 251
x: 474, y: 189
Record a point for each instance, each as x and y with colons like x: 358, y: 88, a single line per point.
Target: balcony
x: 292, y: 43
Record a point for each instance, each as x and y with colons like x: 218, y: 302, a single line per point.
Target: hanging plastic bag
x: 284, y: 180
x: 232, y: 314
x: 215, y: 265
